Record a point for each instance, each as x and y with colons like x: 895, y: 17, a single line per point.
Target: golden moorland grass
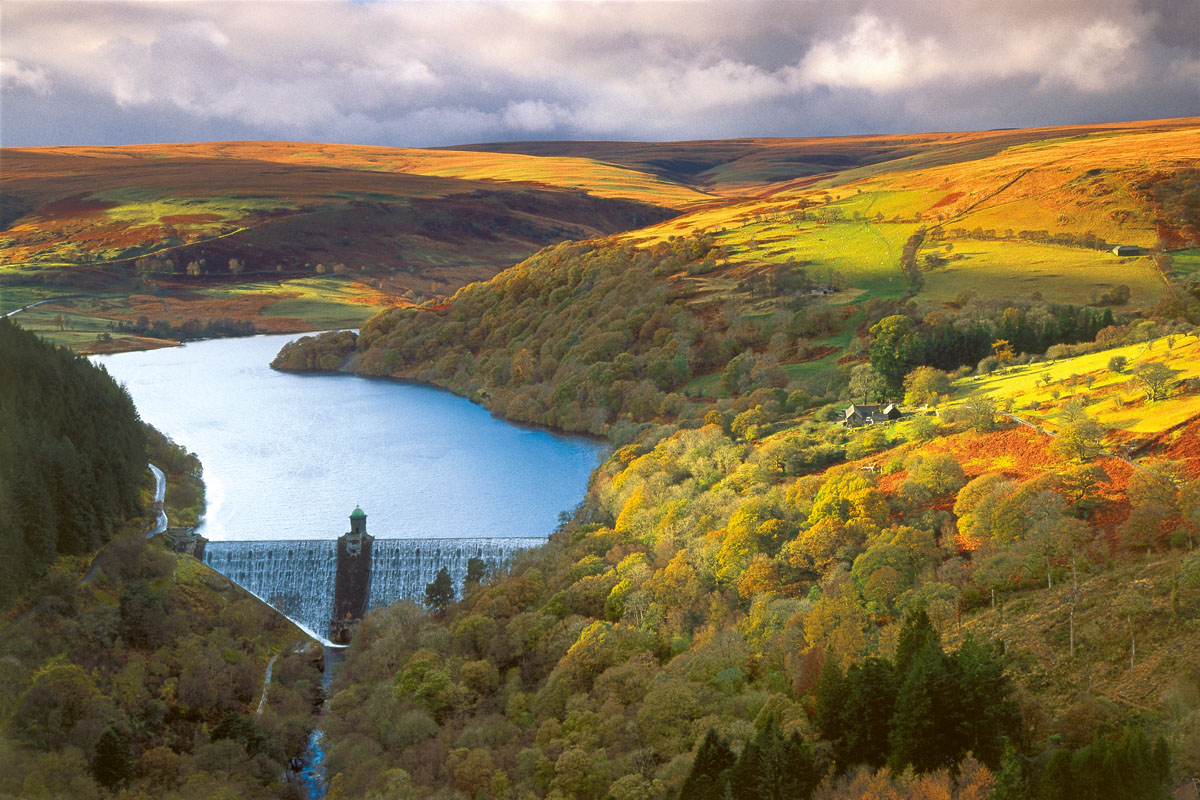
x: 1115, y: 400
x: 996, y: 212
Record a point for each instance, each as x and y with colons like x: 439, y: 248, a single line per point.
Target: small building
x: 1127, y: 250
x: 858, y: 415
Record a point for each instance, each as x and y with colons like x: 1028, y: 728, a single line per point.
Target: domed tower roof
x: 357, y: 513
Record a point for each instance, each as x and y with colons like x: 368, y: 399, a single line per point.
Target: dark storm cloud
x: 450, y: 72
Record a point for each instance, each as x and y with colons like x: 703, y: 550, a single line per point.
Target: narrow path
x: 160, y: 494
x: 262, y: 703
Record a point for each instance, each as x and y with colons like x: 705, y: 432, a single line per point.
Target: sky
x: 449, y: 72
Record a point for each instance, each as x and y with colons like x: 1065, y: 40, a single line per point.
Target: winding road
x: 31, y: 305
x: 160, y: 494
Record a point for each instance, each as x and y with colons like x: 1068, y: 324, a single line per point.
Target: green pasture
x: 135, y: 204
x: 80, y: 329
x: 331, y: 302
x: 14, y: 297
x: 1186, y: 262
x: 1017, y: 270
x: 904, y: 203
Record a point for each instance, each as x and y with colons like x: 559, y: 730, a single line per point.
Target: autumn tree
x: 1155, y: 379
x: 866, y: 384
x: 1080, y: 440
x: 981, y: 414
x: 925, y: 385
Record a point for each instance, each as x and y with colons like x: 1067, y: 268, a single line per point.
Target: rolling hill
x: 296, y: 236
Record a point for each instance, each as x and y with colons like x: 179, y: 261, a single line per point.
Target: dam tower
x: 352, y: 583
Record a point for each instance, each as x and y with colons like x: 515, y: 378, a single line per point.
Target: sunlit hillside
x: 1033, y: 218
x: 277, y: 237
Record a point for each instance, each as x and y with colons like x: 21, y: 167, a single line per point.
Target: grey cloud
x: 442, y: 73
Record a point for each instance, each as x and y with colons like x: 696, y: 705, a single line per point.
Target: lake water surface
x: 288, y: 456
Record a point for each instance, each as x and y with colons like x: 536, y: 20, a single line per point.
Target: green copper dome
x: 357, y: 513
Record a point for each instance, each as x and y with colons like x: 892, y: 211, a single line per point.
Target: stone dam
x: 327, y: 585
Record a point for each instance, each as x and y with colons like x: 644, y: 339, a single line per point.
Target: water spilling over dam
x: 298, y: 577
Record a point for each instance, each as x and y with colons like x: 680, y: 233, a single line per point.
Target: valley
x: 990, y: 590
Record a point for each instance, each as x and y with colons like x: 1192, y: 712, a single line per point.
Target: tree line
x: 72, y: 456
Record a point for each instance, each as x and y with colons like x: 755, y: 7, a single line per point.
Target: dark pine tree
x: 988, y: 711
x: 867, y: 715
x: 112, y: 766
x: 916, y: 633
x: 440, y: 593
x: 832, y: 693
x: 709, y: 778
x: 926, y: 729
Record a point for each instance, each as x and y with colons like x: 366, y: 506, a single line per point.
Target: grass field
x: 1017, y: 270
x: 1038, y: 391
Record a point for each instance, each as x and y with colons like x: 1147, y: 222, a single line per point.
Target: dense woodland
x: 588, y: 337
x: 128, y: 670
x: 138, y: 673
x: 704, y: 586
x: 72, y: 457
x: 750, y: 591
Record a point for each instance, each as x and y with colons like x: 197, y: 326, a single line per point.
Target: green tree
x: 772, y: 766
x: 832, y: 693
x: 112, y: 766
x: 926, y: 729
x: 709, y: 776
x: 867, y: 714
x: 981, y: 414
x: 1155, y: 379
x: 916, y: 634
x: 866, y: 384
x: 440, y: 593
x: 476, y: 571
x: 894, y: 349
x: 987, y: 709
x: 1080, y: 440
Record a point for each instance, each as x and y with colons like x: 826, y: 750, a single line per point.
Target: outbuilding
x: 1127, y: 250
x: 858, y: 415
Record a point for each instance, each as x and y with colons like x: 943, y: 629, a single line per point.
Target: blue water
x: 288, y: 456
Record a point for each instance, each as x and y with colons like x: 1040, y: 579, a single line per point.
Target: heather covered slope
x: 278, y: 207
x: 739, y: 166
x: 282, y: 237
x: 293, y: 236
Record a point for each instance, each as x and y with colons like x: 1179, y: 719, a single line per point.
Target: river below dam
x: 287, y: 456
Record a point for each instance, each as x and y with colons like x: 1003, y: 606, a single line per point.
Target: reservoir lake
x: 288, y: 456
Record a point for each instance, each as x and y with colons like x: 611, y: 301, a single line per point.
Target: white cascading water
x: 297, y: 576
x: 401, y: 568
